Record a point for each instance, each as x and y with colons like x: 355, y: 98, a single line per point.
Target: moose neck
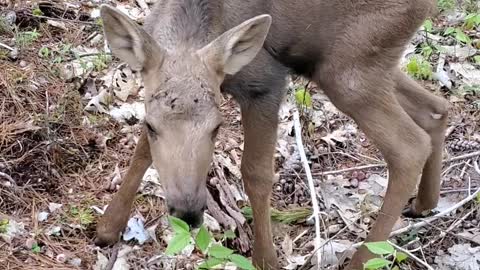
x: 192, y: 23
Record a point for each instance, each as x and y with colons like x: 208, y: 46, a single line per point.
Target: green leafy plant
x: 444, y: 5
x: 476, y: 59
x: 461, y: 36
x: 385, y: 250
x: 36, y: 248
x: 44, y: 52
x: 84, y: 216
x: 420, y: 68
x: 303, y: 98
x: 215, y: 254
x: 471, y: 21
x: 4, y: 225
x: 428, y: 25
x: 26, y: 38
x: 100, y: 62
x: 37, y: 12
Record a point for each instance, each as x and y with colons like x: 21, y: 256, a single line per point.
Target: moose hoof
x: 411, y: 212
x: 105, y: 239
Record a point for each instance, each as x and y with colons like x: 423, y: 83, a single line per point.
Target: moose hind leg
x: 371, y: 102
x: 431, y: 113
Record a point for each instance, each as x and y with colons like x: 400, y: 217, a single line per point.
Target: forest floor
x: 70, y: 116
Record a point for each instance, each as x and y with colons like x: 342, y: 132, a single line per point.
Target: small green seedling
x: 472, y: 21
x: 37, y: 12
x: 385, y: 251
x: 303, y: 97
x: 26, y: 38
x: 44, y: 52
x: 444, y: 5
x: 4, y: 225
x: 36, y: 248
x: 215, y: 254
x: 461, y: 36
x: 420, y: 68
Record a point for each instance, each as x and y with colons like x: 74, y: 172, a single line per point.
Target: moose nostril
x: 192, y: 218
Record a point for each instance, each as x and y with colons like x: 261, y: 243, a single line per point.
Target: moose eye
x: 215, y: 132
x: 150, y: 128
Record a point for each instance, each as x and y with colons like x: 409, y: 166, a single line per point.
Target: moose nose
x: 193, y: 218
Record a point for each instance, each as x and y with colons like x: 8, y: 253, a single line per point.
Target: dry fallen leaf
x: 460, y: 257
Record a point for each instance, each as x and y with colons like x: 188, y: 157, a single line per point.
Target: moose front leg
x: 260, y: 128
x: 116, y: 216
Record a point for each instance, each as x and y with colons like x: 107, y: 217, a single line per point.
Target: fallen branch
x: 476, y: 167
x: 62, y: 19
x: 410, y: 254
x: 429, y: 220
x: 313, y: 194
x: 382, y: 165
x: 8, y: 177
x: 6, y: 47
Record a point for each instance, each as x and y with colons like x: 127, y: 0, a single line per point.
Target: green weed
x: 215, y: 254
x: 385, y: 251
x: 419, y: 68
x: 26, y: 38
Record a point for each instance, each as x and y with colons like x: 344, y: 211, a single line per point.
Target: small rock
x: 75, y: 262
x: 335, y: 228
x: 23, y: 64
x: 367, y: 220
x: 213, y: 181
x: 61, y: 258
x: 361, y: 176
x: 30, y: 243
x: 53, y: 231
x: 354, y: 182
x: 52, y: 207
x: 13, y: 55
x: 42, y: 216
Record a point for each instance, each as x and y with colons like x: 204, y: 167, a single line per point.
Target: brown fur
x: 351, y: 48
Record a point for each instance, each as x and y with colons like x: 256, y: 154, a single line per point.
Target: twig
x: 313, y: 194
x: 113, y: 257
x: 469, y: 155
x: 464, y: 169
x: 8, y: 177
x: 476, y: 167
x: 381, y: 165
x: 143, y: 5
x: 459, y: 221
x: 410, y: 254
x: 62, y: 19
x: 429, y: 220
x: 6, y: 47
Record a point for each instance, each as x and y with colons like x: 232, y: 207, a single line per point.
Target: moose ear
x: 237, y: 47
x: 128, y: 41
